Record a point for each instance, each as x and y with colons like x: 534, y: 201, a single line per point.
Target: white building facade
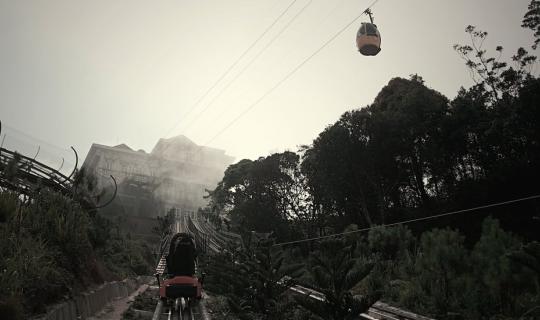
x: 176, y: 173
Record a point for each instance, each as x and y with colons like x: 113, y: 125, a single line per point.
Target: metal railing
x: 31, y: 174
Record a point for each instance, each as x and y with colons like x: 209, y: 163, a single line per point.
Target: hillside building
x: 175, y: 174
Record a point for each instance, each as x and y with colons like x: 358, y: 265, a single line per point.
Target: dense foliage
x: 262, y: 195
x: 439, y: 276
x: 411, y: 154
x: 254, y: 280
x: 52, y: 248
x: 334, y: 269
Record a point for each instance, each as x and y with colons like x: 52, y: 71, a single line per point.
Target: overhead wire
x: 224, y: 74
x: 435, y: 216
x: 290, y: 74
x: 253, y: 59
x: 22, y: 142
x: 329, y: 13
x: 31, y: 137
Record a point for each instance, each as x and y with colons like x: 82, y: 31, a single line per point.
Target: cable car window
x: 362, y: 29
x: 370, y: 29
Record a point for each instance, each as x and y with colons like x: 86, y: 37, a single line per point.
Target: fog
x: 175, y: 174
x: 75, y: 73
x: 62, y: 159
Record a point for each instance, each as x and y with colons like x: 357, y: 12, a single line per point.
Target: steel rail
x: 180, y: 309
x: 377, y: 311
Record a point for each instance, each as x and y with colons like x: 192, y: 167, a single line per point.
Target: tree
x: 262, y: 195
x: 528, y: 256
x: 334, y: 178
x: 495, y: 126
x: 499, y: 285
x: 374, y: 160
x: 409, y: 117
x: 390, y: 243
x: 501, y: 81
x: 436, y: 287
x: 531, y: 20
x: 335, y: 270
x: 255, y: 280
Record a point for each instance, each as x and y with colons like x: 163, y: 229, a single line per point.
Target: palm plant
x: 335, y: 270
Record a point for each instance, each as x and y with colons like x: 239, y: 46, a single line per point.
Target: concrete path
x: 115, y: 309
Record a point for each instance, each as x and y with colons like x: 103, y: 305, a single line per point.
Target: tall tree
x: 440, y: 268
x: 499, y: 284
x: 255, y: 280
x: 382, y: 157
x: 531, y: 20
x: 263, y: 195
x: 410, y: 116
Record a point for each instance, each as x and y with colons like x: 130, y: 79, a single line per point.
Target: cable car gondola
x: 368, y: 38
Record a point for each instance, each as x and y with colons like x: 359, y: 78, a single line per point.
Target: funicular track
x: 217, y: 240
x: 28, y: 177
x: 24, y: 174
x: 179, y: 311
x: 32, y: 174
x: 181, y: 308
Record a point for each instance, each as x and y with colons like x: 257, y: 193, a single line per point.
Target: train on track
x: 180, y: 289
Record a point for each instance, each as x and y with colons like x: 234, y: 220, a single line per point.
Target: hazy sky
x: 78, y: 72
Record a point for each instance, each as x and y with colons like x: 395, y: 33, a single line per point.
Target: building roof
x: 123, y: 146
x: 171, y: 148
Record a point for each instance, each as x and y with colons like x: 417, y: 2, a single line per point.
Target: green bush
x: 48, y: 247
x: 390, y: 243
x: 29, y: 270
x: 126, y: 257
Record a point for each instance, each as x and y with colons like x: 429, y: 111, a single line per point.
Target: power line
x: 30, y: 137
x: 291, y: 73
x: 411, y: 220
x: 249, y: 63
x: 232, y: 66
x: 330, y: 13
x: 25, y: 143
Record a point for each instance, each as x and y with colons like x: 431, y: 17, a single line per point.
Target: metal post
x: 157, y: 312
